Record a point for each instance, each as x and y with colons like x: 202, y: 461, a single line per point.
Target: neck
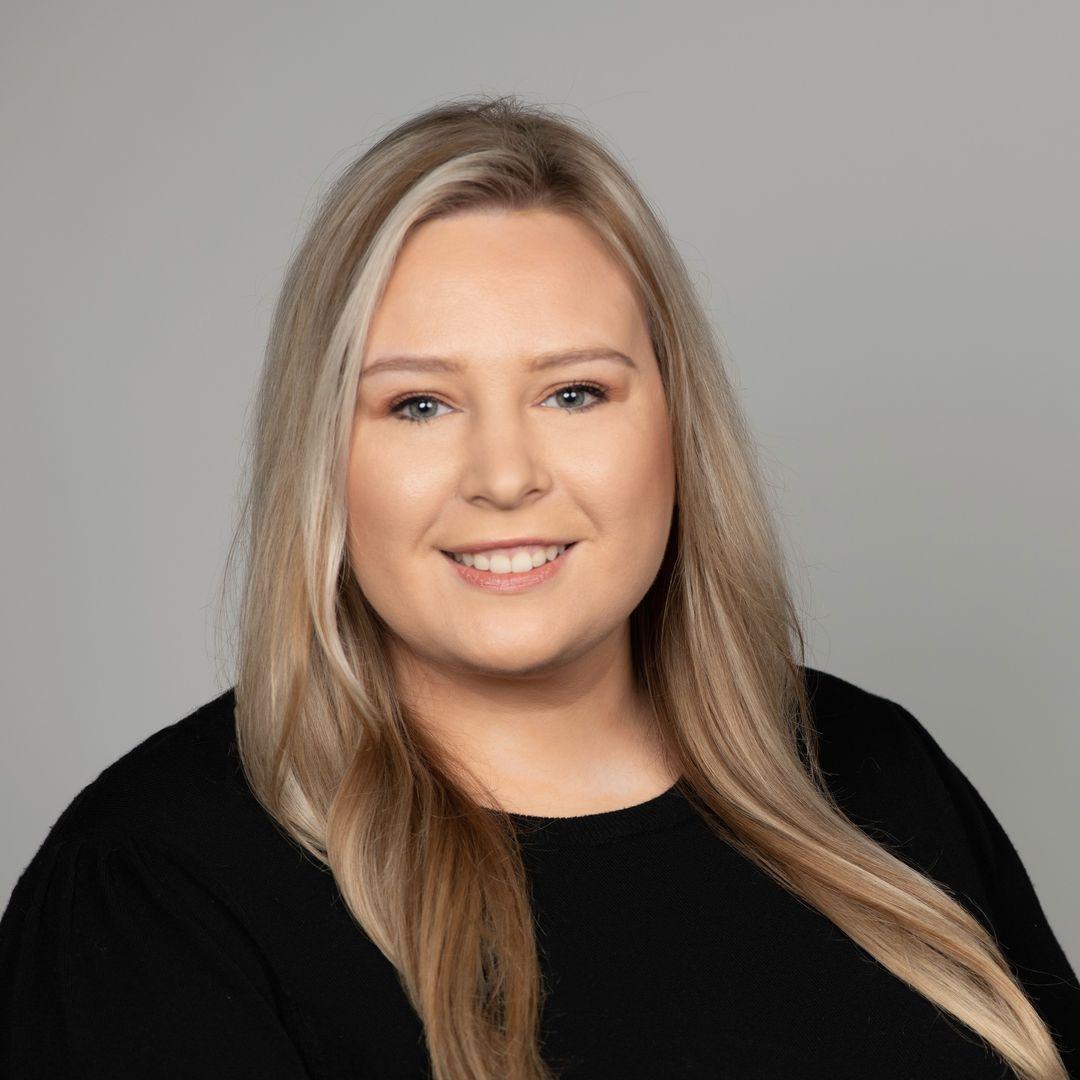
x: 574, y: 741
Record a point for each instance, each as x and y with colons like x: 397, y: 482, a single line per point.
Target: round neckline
x: 667, y: 808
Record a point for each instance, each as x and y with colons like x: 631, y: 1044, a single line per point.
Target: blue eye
x: 573, y: 388
x: 590, y: 388
x: 396, y: 408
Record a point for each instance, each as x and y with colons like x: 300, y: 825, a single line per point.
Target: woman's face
x: 491, y: 448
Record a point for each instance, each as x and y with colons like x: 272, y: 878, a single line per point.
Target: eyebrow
x: 542, y: 362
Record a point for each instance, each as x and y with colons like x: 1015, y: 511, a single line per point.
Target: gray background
x: 877, y: 201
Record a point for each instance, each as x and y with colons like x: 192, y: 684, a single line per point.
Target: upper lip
x: 514, y: 541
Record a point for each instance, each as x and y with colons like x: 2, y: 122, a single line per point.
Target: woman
x: 523, y: 773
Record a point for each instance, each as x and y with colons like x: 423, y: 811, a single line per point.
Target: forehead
x: 509, y: 279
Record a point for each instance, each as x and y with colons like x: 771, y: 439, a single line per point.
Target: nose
x: 505, y: 459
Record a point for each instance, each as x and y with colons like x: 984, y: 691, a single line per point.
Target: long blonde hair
x: 330, y: 751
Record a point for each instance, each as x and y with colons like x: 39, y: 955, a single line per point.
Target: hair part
x: 342, y: 765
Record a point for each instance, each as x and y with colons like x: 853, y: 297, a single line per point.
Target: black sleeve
x: 116, y: 960
x: 1013, y: 912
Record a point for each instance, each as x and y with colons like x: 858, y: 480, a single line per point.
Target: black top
x: 167, y: 928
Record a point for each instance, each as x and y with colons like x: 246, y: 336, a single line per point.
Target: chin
x: 510, y: 655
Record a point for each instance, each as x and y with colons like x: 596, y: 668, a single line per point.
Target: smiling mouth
x: 500, y: 563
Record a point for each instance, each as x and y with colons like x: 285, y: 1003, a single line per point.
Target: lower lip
x: 509, y: 583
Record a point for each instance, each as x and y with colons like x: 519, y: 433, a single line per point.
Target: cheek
x: 629, y: 496
x: 386, y: 500
x: 632, y: 480
x: 647, y: 526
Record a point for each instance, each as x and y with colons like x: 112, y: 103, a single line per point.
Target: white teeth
x: 511, y: 560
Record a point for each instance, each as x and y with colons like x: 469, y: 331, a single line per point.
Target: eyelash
x: 593, y: 388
